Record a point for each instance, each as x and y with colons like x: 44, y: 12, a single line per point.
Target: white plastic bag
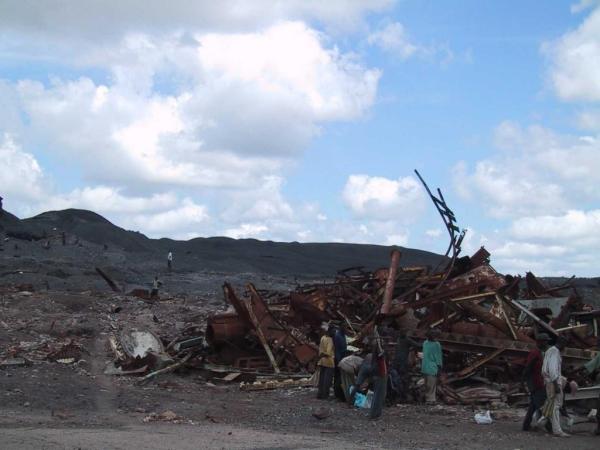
x: 483, y: 418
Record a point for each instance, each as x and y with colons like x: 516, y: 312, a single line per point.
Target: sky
x: 303, y: 120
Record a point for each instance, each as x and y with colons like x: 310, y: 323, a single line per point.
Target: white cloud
x: 537, y: 172
x: 384, y: 199
x: 526, y: 249
x: 265, y: 202
x: 177, y: 221
x: 400, y: 239
x: 110, y: 200
x: 575, y: 227
x: 582, y: 5
x: 433, y: 233
x: 575, y: 61
x: 180, y: 119
x: 288, y: 60
x: 21, y: 178
x: 249, y: 103
x: 247, y: 230
x: 506, y: 191
x: 393, y: 38
x: 589, y: 120
x: 542, y: 183
x: 106, y: 19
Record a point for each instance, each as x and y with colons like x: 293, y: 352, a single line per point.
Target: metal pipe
x: 390, y: 282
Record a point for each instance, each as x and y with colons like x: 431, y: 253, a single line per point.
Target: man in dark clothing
x: 535, y: 380
x: 400, y: 372
x: 340, y: 348
x: 592, y: 369
x: 380, y: 379
x: 372, y: 369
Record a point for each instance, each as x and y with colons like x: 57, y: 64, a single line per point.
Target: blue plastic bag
x: 360, y: 400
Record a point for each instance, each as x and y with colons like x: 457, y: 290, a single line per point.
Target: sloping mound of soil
x: 89, y: 226
x: 219, y: 254
x: 14, y: 227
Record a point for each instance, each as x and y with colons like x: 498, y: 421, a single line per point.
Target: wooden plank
x: 473, y: 297
x: 231, y: 376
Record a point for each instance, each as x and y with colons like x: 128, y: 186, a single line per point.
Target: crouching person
x: 349, y: 367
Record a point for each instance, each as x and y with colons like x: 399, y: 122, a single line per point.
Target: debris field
x: 264, y: 341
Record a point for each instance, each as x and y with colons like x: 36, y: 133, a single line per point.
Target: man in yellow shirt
x: 326, y: 363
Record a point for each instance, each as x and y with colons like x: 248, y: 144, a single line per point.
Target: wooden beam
x: 535, y: 318
x: 480, y: 362
x: 506, y: 317
x: 261, y: 336
x: 473, y: 297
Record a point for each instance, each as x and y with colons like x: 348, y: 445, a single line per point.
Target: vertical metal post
x: 390, y: 282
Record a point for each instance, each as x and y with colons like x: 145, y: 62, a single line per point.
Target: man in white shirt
x: 551, y: 371
x: 170, y: 260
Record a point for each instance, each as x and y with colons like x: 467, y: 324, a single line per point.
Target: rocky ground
x: 52, y: 405
x: 50, y: 297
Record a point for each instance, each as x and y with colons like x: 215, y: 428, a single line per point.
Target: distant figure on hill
x: 170, y: 260
x: 156, y: 284
x: 1, y: 204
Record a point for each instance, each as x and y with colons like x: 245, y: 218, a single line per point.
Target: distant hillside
x: 89, y: 226
x: 215, y: 253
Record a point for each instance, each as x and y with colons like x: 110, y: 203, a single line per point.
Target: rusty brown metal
x: 482, y: 330
x: 290, y: 347
x: 225, y: 328
x: 391, y: 280
x: 484, y: 316
x: 480, y: 258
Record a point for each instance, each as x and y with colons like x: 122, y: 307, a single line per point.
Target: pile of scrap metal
x: 487, y: 321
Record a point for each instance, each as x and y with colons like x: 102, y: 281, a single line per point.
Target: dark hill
x: 251, y: 255
x: 89, y: 226
x: 16, y: 228
x: 220, y: 253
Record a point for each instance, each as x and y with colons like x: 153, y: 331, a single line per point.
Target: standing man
x: 431, y: 365
x: 340, y: 348
x: 380, y: 375
x: 170, y: 260
x: 593, y: 370
x: 551, y: 371
x: 326, y: 363
x: 400, y: 371
x: 535, y: 380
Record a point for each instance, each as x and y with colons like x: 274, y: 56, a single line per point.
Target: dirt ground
x: 50, y: 405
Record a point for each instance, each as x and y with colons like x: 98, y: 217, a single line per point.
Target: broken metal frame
x: 454, y: 246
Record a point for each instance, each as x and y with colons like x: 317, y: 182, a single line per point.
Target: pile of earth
x: 213, y: 253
